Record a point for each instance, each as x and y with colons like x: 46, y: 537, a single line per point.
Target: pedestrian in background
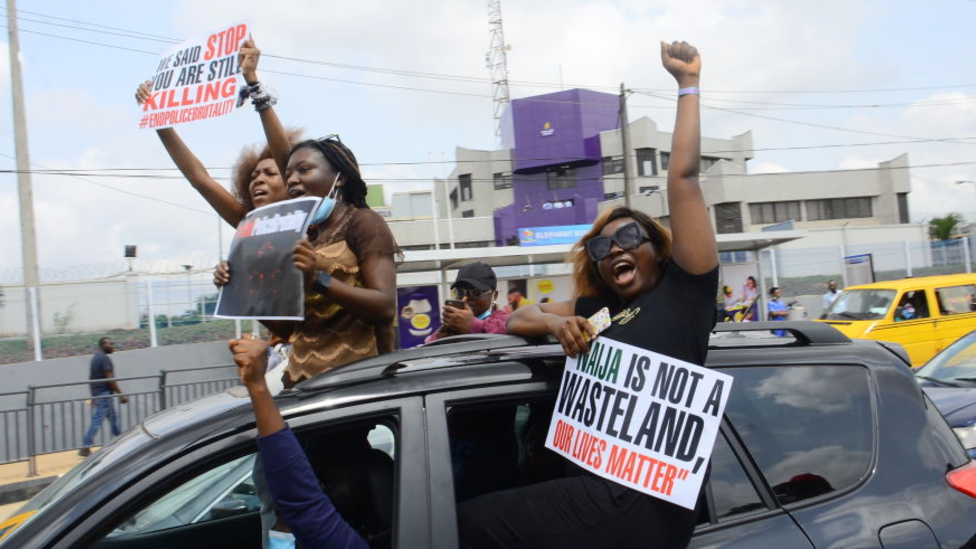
x: 473, y: 309
x: 831, y: 295
x: 102, y: 407
x: 776, y: 309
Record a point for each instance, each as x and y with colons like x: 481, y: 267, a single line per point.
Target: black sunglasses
x: 331, y: 137
x: 627, y: 237
x: 471, y: 293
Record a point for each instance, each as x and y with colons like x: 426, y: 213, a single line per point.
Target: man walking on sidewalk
x: 102, y: 368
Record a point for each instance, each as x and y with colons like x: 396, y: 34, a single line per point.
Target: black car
x: 826, y: 443
x: 949, y: 379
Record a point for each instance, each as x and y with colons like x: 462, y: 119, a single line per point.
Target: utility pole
x: 28, y: 237
x: 625, y: 145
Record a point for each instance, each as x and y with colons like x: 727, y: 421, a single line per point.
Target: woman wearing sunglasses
x: 660, y: 288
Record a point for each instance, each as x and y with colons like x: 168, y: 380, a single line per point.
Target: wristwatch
x: 322, y: 283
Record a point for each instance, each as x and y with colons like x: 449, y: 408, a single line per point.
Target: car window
x: 732, y: 493
x: 860, y: 305
x: 809, y: 428
x: 228, y: 486
x: 912, y: 306
x: 956, y: 362
x: 500, y: 445
x: 954, y: 300
x: 354, y: 462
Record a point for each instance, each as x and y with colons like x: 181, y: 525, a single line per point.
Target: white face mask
x: 328, y: 204
x: 281, y: 540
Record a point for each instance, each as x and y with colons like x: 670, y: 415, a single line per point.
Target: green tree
x: 941, y: 228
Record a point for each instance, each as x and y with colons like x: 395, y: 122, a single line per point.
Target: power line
x: 599, y: 178
x: 800, y: 123
x: 472, y: 79
x: 109, y: 187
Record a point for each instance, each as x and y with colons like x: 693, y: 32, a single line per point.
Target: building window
x: 454, y: 199
x: 774, y: 212
x: 728, y: 218
x: 665, y: 160
x: 903, y: 208
x: 563, y: 177
x: 503, y: 181
x: 707, y: 162
x: 839, y: 208
x: 467, y: 213
x: 465, y: 181
x: 558, y: 204
x: 613, y: 164
x: 476, y: 244
x: 646, y: 163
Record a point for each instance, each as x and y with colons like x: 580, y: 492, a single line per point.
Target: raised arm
x: 273, y: 130
x: 193, y: 170
x: 695, y: 249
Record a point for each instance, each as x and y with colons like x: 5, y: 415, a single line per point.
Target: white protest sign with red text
x: 196, y: 80
x: 641, y: 419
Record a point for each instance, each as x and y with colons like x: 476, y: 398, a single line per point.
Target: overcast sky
x: 885, y: 71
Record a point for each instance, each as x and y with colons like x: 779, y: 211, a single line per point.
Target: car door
x: 957, y: 313
x: 741, y: 512
x: 402, y: 438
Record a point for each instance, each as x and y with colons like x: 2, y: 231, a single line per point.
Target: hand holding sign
x: 644, y: 420
x: 305, y: 261
x: 272, y: 262
x: 248, y: 59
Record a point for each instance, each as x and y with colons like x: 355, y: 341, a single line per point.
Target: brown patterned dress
x: 330, y: 335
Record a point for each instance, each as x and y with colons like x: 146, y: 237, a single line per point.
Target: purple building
x: 557, y: 169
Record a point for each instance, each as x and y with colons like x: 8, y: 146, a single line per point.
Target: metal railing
x: 50, y: 420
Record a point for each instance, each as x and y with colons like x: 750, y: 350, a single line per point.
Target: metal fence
x: 45, y: 423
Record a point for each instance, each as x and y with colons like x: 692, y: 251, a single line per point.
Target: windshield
x: 861, y: 305
x: 957, y: 363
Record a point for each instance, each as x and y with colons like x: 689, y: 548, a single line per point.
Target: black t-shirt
x: 675, y: 318
x: 100, y: 364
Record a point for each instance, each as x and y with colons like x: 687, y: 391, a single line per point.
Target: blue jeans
x: 101, y: 407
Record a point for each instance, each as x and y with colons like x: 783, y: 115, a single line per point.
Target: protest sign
x: 195, y: 80
x: 641, y: 419
x: 264, y: 282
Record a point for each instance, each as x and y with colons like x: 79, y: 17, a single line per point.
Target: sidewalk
x: 14, y: 475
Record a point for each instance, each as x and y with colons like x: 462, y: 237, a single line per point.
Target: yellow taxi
x: 923, y: 314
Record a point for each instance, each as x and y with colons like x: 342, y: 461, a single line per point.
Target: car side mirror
x: 228, y: 508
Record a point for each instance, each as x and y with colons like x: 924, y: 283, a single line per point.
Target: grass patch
x: 60, y: 346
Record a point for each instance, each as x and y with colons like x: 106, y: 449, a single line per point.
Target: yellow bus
x: 923, y: 314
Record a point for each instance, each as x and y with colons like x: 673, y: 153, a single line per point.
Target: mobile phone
x: 456, y: 303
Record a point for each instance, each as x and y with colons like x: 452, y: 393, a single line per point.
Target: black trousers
x: 577, y: 511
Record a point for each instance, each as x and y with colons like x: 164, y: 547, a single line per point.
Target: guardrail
x: 46, y: 424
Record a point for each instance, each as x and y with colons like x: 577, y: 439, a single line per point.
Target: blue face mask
x: 485, y: 315
x: 281, y: 540
x: 327, y: 205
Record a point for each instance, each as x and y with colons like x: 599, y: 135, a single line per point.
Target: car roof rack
x: 805, y: 332
x: 384, y: 365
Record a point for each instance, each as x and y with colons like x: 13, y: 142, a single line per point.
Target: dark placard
x: 264, y: 282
